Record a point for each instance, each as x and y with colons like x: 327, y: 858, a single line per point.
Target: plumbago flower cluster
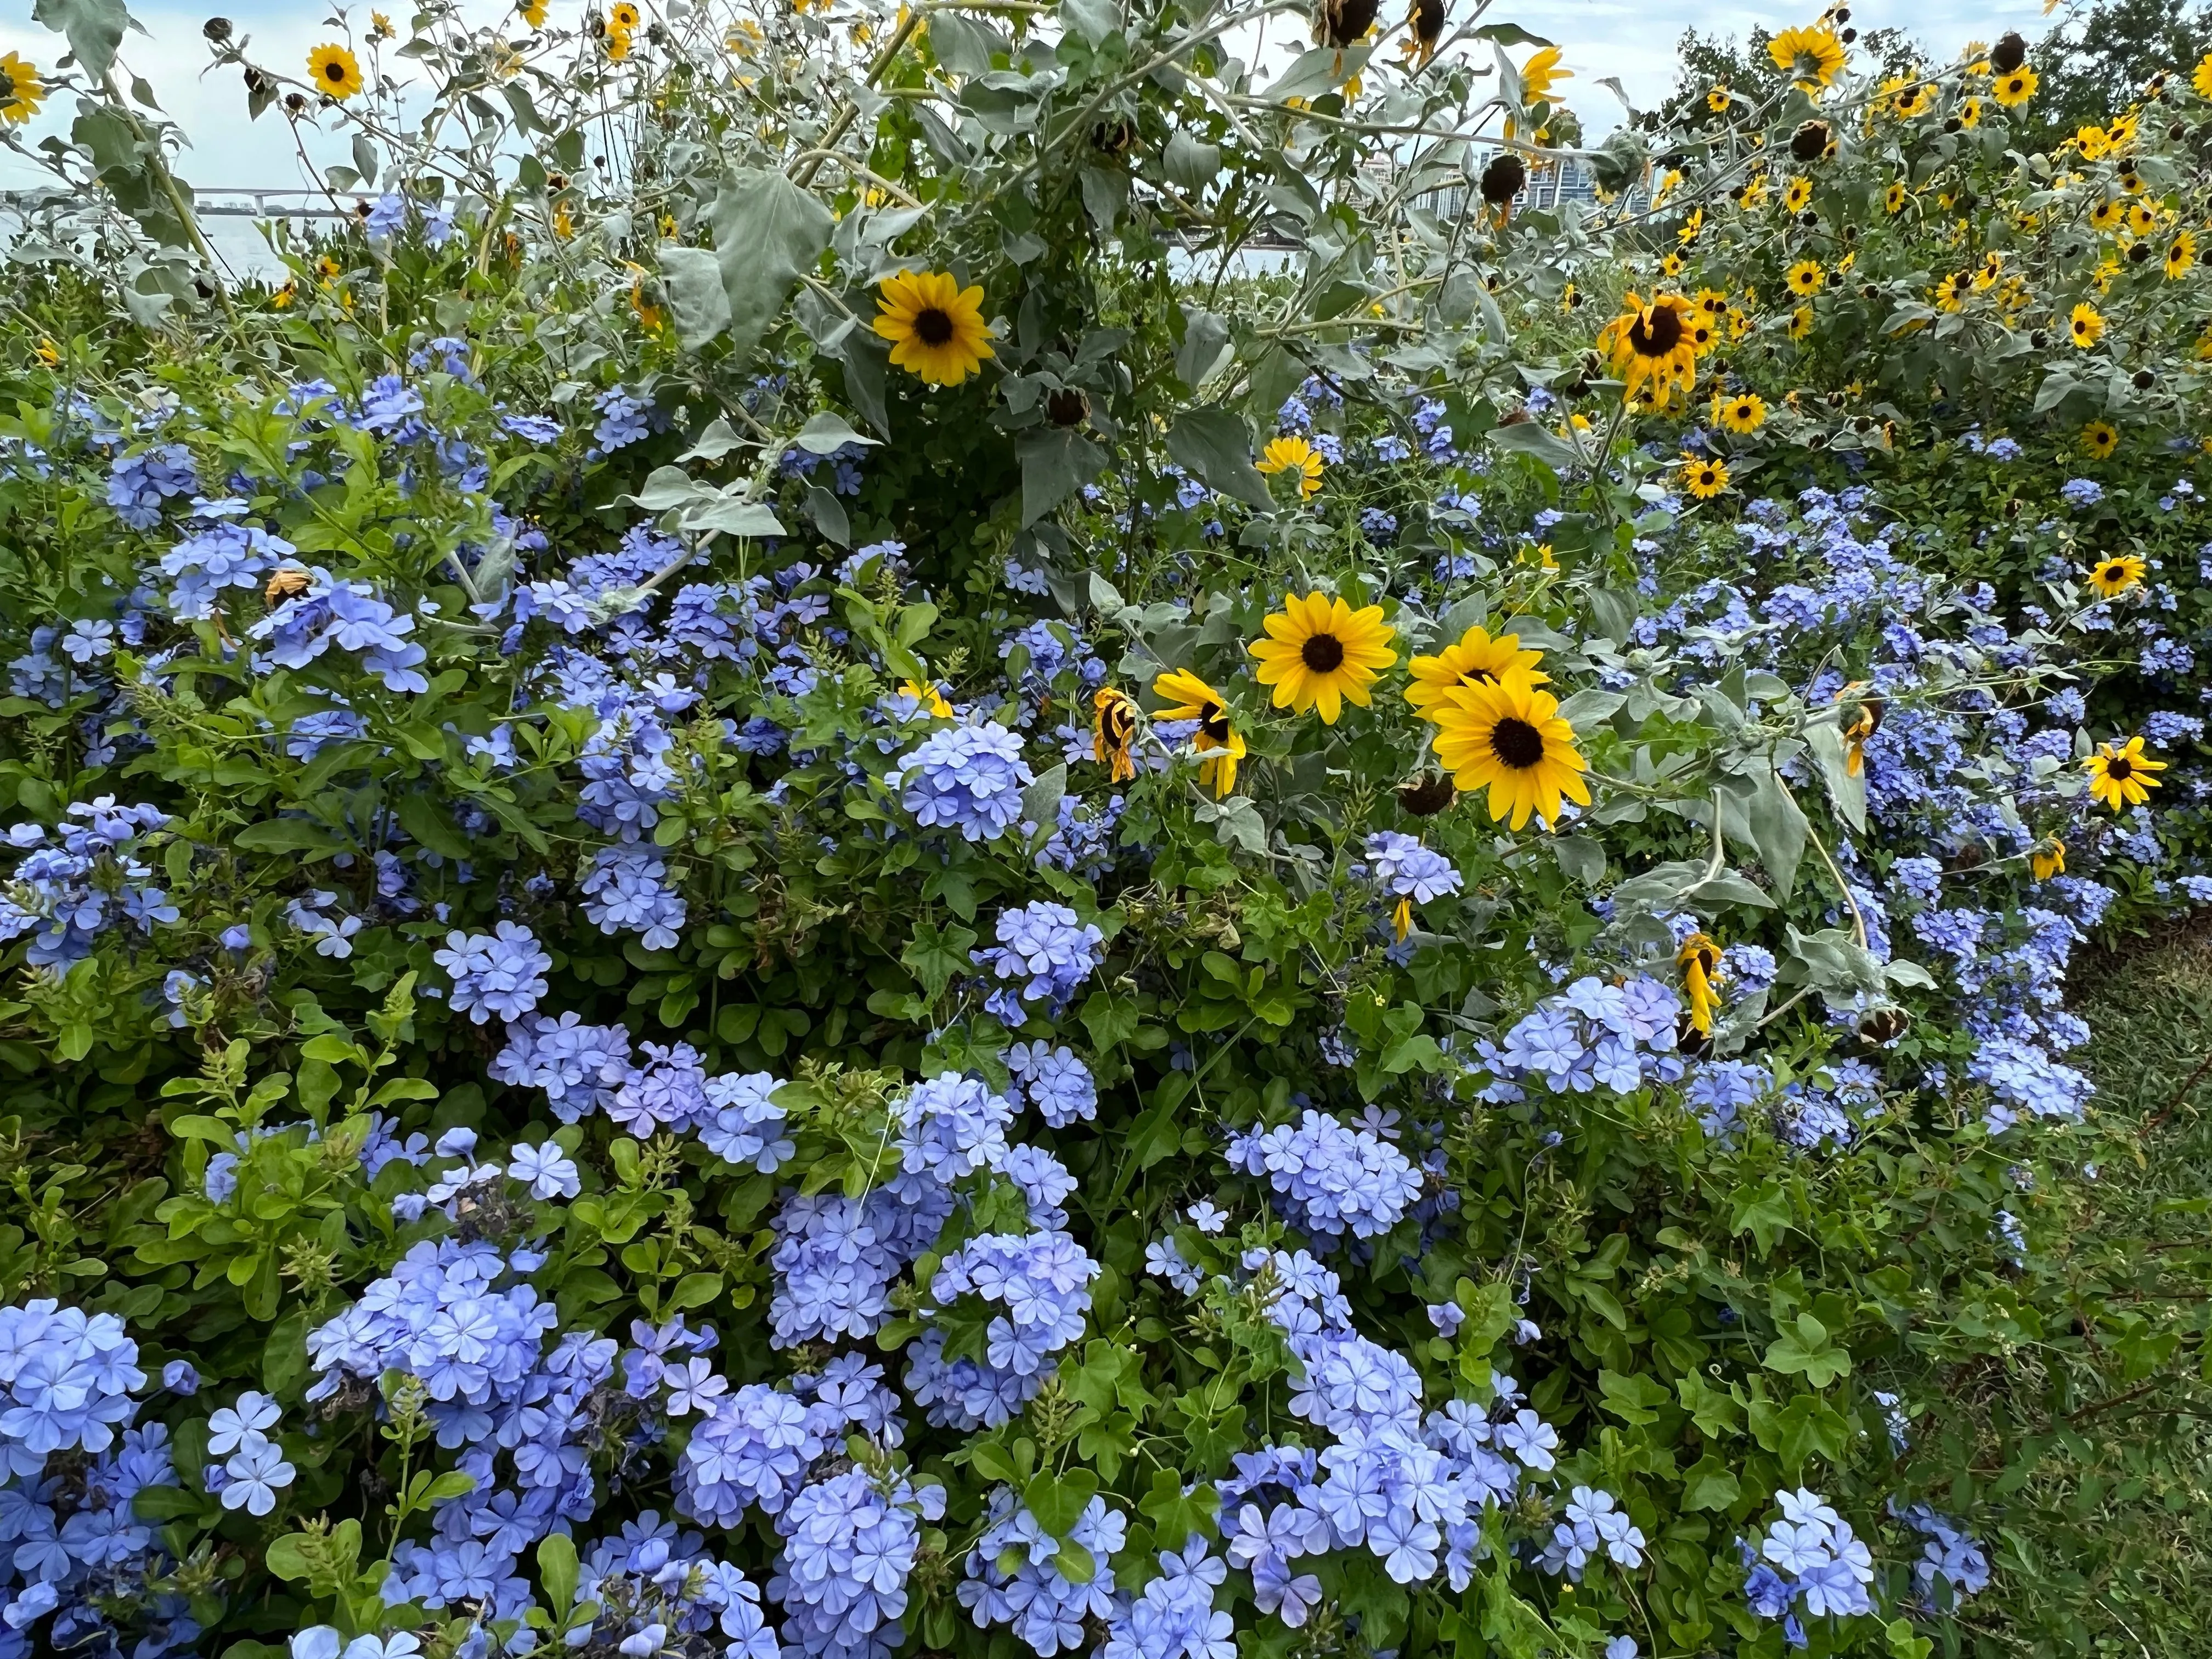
x: 716, y: 942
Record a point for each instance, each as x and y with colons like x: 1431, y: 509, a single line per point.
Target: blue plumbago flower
x: 1949, y: 1555
x: 625, y: 418
x: 348, y: 615
x: 1406, y: 869
x: 1329, y: 1180
x: 1720, y: 1091
x: 65, y: 896
x: 1593, y: 1527
x: 500, y: 972
x: 333, y: 935
x: 626, y: 891
x: 849, y: 1549
x: 1058, y: 1085
x: 580, y: 1068
x: 1164, y: 1259
x: 1810, y: 1560
x: 968, y: 778
x: 139, y: 484
x: 950, y: 1126
x: 1044, y: 953
x: 387, y: 216
x: 1042, y: 1281
x: 254, y: 1474
x: 1175, y: 1618
x: 1011, y: 1578
x: 180, y: 1378
x: 835, y: 1258
x: 547, y: 1172
x: 2081, y: 492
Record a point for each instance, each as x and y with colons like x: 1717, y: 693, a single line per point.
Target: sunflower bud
x: 1426, y: 796
x: 1810, y: 142
x: 1503, y: 179
x: 1067, y: 407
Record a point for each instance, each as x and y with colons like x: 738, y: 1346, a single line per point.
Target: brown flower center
x: 1478, y: 677
x: 1213, y: 720
x: 334, y: 72
x: 2119, y: 768
x: 1322, y: 653
x: 933, y: 326
x: 1516, y: 743
x: 1655, y: 333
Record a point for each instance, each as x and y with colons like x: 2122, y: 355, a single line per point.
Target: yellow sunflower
x: 1801, y: 322
x: 2108, y: 216
x: 1700, y: 959
x: 1893, y: 199
x: 2085, y: 327
x: 935, y: 326
x: 1191, y: 698
x: 2101, y: 439
x: 1506, y: 736
x: 1810, y: 57
x: 2142, y: 218
x: 624, y: 16
x: 1320, y: 652
x: 1806, y: 278
x: 1950, y: 292
x: 1112, y: 726
x: 531, y: 12
x: 2201, y: 78
x: 334, y: 70
x: 1476, y: 659
x: 2049, y: 860
x: 1798, y: 195
x: 1293, y: 454
x: 1744, y: 413
x: 1969, y: 113
x: 2115, y: 573
x: 2180, y: 255
x: 618, y: 43
x: 1703, y: 478
x: 2122, y: 777
x: 2014, y: 89
x: 1651, y: 346
x: 22, y: 92
x: 1718, y: 100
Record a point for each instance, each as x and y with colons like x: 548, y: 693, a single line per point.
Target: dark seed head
x: 2009, y: 53
x: 1426, y: 795
x: 2145, y: 379
x: 1503, y: 180
x: 216, y: 29
x: 1809, y: 140
x: 1066, y: 407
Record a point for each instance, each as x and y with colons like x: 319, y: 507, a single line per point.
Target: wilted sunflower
x: 1320, y: 652
x: 1506, y: 737
x: 284, y: 295
x: 1743, y: 413
x: 2048, y: 860
x: 2180, y: 255
x: 2014, y: 89
x: 2085, y: 327
x: 1191, y: 698
x: 1806, y: 278
x: 22, y: 92
x: 2101, y: 439
x: 1651, y: 346
x: 2115, y: 573
x: 936, y: 327
x: 2122, y: 777
x: 1810, y: 57
x: 1700, y: 959
x: 1112, y: 724
x: 1295, y: 455
x: 1424, y: 27
x: 1703, y: 478
x: 1475, y: 659
x: 334, y: 70
x: 1858, y: 717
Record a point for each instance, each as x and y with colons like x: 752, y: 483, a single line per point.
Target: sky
x: 1632, y: 39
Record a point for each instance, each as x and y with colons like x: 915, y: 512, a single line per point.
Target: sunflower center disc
x: 1478, y: 677
x: 1322, y: 653
x: 1517, y: 743
x: 1657, y: 332
x: 2119, y: 767
x: 934, y: 327
x: 1214, y: 722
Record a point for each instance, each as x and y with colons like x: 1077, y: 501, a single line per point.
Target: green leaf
x: 698, y: 300
x: 1534, y: 438
x: 1176, y: 1514
x: 558, y: 1571
x: 1055, y: 464
x: 1634, y: 1399
x: 1777, y: 829
x: 94, y: 29
x: 1216, y: 447
x: 1802, y: 1349
x: 1058, y: 1501
x: 934, y: 955
x: 767, y: 231
x: 1711, y: 1484
x: 421, y: 817
x: 289, y: 836
x: 1762, y: 1212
